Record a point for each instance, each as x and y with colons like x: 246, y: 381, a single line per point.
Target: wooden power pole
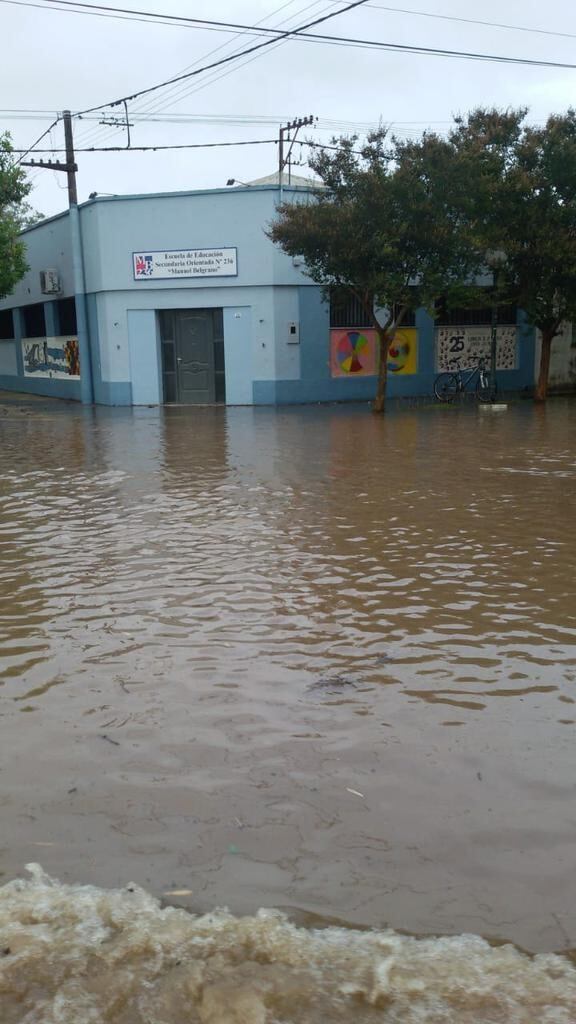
x: 69, y: 168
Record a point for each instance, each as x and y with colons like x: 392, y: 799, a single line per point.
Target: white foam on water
x: 73, y: 954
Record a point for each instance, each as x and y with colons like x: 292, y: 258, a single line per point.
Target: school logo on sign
x: 143, y: 265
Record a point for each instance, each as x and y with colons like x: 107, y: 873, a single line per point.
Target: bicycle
x: 449, y: 384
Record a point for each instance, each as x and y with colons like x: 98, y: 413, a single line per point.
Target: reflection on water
x: 300, y: 658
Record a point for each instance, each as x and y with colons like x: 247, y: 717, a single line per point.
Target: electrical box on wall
x: 50, y: 282
x: 293, y: 333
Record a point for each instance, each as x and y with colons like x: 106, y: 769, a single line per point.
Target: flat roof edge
x: 226, y: 190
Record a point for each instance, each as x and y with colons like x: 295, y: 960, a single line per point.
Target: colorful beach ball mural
x: 354, y: 353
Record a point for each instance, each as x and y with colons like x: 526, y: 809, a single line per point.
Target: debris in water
x: 355, y: 792
x: 109, y: 739
x: 332, y: 683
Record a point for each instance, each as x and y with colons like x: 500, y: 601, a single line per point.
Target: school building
x: 187, y: 301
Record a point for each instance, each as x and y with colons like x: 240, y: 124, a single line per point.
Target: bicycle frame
x: 465, y: 376
x: 450, y: 383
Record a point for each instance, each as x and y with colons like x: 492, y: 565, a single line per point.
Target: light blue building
x: 188, y: 301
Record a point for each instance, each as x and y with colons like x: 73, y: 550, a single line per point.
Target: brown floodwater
x: 303, y: 659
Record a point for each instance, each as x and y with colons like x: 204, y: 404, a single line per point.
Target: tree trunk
x: 384, y: 340
x: 541, y: 392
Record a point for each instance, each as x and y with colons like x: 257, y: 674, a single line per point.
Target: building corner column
x: 86, y: 386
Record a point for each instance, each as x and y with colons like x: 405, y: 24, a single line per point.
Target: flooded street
x: 303, y: 659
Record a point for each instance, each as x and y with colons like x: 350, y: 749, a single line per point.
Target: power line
x: 472, y: 21
x: 181, y: 90
x: 283, y: 37
x: 225, y: 60
x: 279, y: 36
x: 288, y: 3
x: 182, y: 21
x: 186, y: 145
x: 300, y: 35
x: 153, y: 17
x: 39, y: 139
x: 237, y: 120
x: 160, y: 102
x: 126, y: 14
x: 144, y: 149
x: 176, y: 93
x: 371, y: 44
x: 186, y: 89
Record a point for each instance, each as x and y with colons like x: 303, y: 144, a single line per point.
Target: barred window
x: 347, y: 311
x: 463, y: 317
x: 67, y: 316
x: 34, y: 321
x: 6, y: 324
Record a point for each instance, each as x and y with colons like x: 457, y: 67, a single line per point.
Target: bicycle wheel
x: 446, y: 387
x: 486, y: 387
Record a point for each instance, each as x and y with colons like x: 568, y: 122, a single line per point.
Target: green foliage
x: 383, y: 226
x: 522, y: 198
x: 27, y: 216
x: 13, y: 191
x: 401, y: 223
x: 522, y: 201
x: 386, y: 228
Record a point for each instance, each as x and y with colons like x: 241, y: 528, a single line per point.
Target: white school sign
x: 149, y: 266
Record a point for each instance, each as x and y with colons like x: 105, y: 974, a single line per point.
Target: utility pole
x: 70, y: 167
x: 292, y: 126
x: 494, y: 337
x: 495, y: 260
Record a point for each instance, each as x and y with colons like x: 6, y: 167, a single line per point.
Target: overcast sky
x: 53, y: 59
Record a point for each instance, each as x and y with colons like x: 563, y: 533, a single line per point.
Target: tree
x: 13, y: 191
x: 27, y: 216
x: 522, y: 200
x: 384, y: 227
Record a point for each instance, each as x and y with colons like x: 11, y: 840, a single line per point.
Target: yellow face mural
x: 403, y: 352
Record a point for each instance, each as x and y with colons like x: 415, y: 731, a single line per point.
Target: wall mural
x: 58, y: 358
x: 461, y: 347
x: 403, y: 352
x: 354, y: 352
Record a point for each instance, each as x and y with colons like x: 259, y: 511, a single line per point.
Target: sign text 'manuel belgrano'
x: 185, y: 263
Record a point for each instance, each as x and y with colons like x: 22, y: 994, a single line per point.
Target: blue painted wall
x: 263, y: 366
x: 238, y: 355
x: 145, y: 366
x: 113, y: 228
x: 317, y: 385
x: 8, y: 361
